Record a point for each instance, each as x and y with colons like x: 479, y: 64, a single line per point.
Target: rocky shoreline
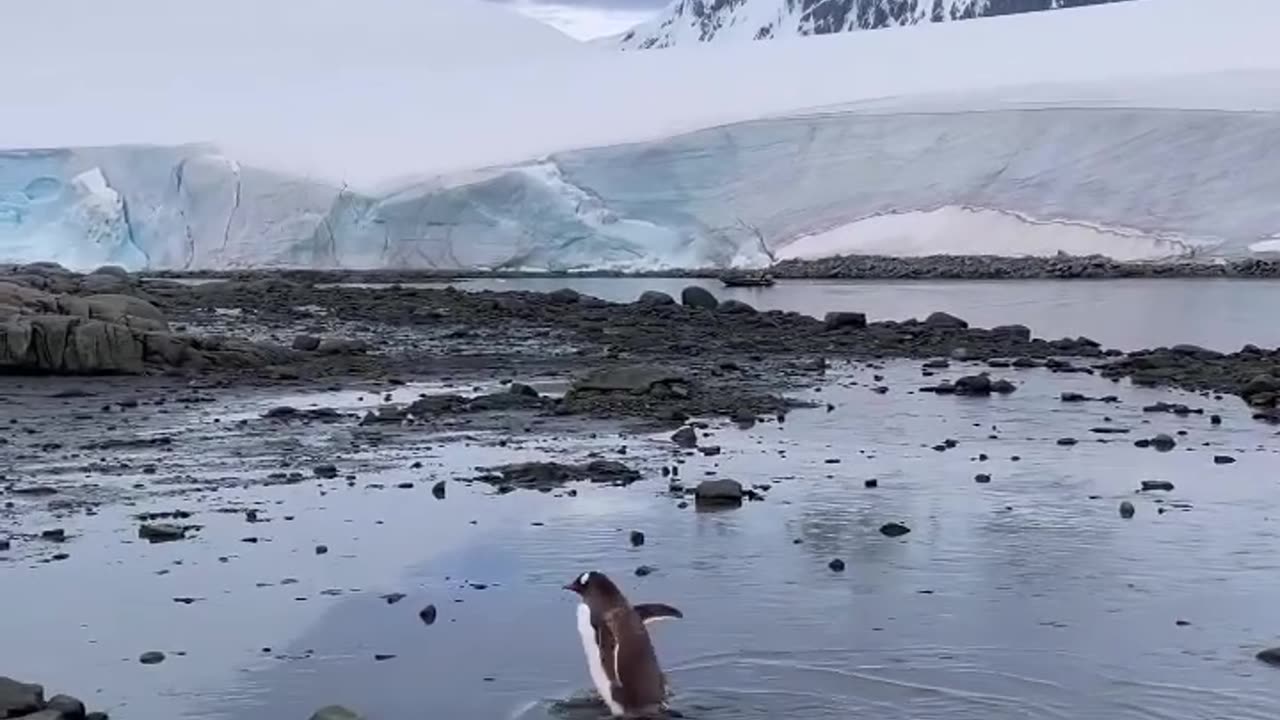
x: 105, y: 374
x: 992, y: 267
x: 843, y: 267
x: 55, y: 322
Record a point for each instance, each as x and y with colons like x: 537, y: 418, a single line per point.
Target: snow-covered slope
x: 1163, y: 134
x: 693, y: 21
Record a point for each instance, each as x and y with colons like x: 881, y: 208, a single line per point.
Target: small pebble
x: 153, y: 657
x: 836, y: 565
x: 428, y: 615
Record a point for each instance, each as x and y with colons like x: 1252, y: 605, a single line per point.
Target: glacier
x: 1032, y: 181
x: 1159, y: 141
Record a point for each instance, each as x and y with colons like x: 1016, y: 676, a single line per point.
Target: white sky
x: 585, y: 23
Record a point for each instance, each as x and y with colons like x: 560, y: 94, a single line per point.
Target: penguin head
x: 592, y: 584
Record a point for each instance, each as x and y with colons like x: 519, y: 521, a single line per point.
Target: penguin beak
x: 571, y: 587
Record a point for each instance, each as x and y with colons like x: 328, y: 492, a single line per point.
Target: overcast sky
x: 586, y: 19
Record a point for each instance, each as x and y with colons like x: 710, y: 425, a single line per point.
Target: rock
x: 161, y: 532
x: 1073, y: 397
x: 653, y: 298
x: 1270, y: 656
x: 103, y: 283
x: 1259, y: 385
x: 1067, y: 441
x: 719, y: 492
x: 644, y: 571
x: 698, y: 297
x: 1223, y: 460
x: 327, y: 471
x: 945, y: 320
x: 637, y: 538
x: 1163, y: 442
x: 322, y: 549
x: 63, y: 344
x: 335, y: 712
x: 564, y: 296
x: 736, y: 307
x: 685, y: 437
x: 894, y: 529
x: 18, y: 698
x: 4, y: 544
x: 982, y: 478
x: 836, y: 565
x: 841, y: 320
x: 523, y: 390
x: 1215, y: 419
x: 635, y: 379
x: 339, y: 346
x: 1154, y: 485
x: 438, y: 490
x: 1003, y: 387
x: 152, y: 657
x: 67, y: 707
x: 550, y: 475
x: 870, y: 483
x: 1017, y: 332
x: 1127, y: 510
x: 977, y: 385
x: 428, y: 615
x: 306, y: 343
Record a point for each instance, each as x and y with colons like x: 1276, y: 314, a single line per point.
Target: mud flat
x: 267, y: 486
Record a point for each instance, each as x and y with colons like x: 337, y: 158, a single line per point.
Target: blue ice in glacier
x: 76, y: 219
x: 1020, y: 181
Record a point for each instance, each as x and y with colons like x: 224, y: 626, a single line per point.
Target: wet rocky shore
x: 273, y: 328
x: 843, y: 267
x: 107, y: 376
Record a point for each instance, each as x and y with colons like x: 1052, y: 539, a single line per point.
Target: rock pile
x: 55, y: 322
x: 26, y: 700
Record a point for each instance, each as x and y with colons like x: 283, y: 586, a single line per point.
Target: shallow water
x: 1023, y: 598
x: 1127, y: 314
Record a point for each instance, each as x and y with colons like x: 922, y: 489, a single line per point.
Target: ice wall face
x: 694, y: 21
x: 1132, y: 183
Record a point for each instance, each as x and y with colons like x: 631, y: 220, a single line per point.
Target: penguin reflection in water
x: 620, y: 656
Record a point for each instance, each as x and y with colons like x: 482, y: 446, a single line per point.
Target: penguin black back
x: 620, y: 654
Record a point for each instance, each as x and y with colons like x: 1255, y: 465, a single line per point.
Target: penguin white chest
x: 594, y: 664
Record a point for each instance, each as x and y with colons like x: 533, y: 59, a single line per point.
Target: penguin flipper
x: 651, y: 612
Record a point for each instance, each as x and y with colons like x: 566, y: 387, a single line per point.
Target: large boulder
x: 840, y: 320
x: 126, y: 310
x: 18, y: 698
x: 100, y: 282
x: 945, y: 320
x: 654, y: 298
x: 699, y: 297
x: 638, y: 379
x: 65, y: 344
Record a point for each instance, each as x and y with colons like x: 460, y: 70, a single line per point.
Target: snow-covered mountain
x: 1165, y: 134
x: 693, y: 21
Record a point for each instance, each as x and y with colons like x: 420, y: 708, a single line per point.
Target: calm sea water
x: 1126, y: 314
x: 1026, y: 598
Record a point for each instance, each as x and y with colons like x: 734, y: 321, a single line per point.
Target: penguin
x: 620, y: 655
